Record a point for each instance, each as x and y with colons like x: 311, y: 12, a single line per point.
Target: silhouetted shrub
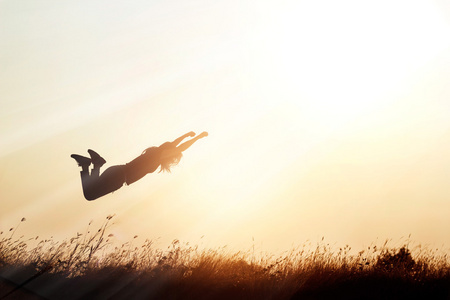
x: 400, y: 261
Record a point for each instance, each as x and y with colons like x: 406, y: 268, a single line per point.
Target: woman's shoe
x: 82, y: 160
x: 96, y: 159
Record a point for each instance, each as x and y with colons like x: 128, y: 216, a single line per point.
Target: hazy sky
x: 326, y: 118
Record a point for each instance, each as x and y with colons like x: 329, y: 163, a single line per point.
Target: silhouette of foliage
x: 402, y: 261
x: 90, y: 266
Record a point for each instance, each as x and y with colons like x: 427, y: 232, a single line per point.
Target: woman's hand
x: 189, y: 143
x: 190, y: 134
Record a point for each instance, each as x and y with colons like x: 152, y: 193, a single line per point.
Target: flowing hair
x: 170, y: 156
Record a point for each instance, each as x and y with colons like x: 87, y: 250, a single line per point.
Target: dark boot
x: 96, y: 159
x: 82, y: 161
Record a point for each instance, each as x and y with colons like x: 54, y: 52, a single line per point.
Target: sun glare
x: 337, y: 60
x: 315, y: 71
x: 301, y: 100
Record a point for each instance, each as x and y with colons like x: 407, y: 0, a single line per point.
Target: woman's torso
x: 146, y: 163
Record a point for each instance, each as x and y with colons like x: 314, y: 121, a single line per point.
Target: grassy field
x: 88, y: 266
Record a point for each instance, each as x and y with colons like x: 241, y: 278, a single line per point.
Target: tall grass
x: 90, y: 266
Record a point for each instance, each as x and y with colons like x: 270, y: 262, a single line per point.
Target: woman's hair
x: 170, y: 156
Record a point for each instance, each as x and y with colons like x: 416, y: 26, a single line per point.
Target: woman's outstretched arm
x: 181, y: 138
x: 189, y: 143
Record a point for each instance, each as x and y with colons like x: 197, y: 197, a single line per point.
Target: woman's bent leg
x: 87, y: 182
x: 111, y: 180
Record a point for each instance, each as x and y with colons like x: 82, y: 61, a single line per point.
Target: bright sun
x: 342, y: 61
x: 314, y: 69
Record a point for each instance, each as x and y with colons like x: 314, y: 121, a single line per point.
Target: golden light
x: 301, y: 100
x: 317, y: 72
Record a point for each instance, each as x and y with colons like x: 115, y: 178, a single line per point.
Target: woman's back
x: 145, y: 163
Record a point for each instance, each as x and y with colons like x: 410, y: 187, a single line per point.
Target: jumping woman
x: 165, y: 156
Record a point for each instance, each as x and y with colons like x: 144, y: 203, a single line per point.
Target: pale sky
x: 326, y: 118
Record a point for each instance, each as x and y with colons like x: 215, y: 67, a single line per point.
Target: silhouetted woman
x: 165, y: 156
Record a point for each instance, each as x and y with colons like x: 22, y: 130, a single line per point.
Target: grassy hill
x: 88, y: 266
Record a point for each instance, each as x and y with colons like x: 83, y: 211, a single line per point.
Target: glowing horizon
x: 325, y: 119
